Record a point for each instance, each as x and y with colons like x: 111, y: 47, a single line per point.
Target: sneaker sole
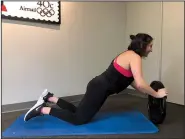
x: 43, y: 95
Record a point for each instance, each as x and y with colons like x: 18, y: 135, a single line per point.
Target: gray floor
x: 173, y: 126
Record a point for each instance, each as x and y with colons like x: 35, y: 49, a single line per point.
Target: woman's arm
x: 133, y: 84
x: 139, y: 83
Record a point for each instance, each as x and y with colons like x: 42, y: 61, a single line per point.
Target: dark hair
x: 139, y: 43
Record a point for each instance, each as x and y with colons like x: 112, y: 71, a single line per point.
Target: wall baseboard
x: 73, y: 99
x: 27, y: 105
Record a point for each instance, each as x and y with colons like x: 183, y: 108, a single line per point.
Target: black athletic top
x: 117, y: 81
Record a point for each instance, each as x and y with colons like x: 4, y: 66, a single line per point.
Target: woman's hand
x: 161, y: 93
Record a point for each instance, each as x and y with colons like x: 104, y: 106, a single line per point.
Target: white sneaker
x: 35, y: 110
x: 44, y: 93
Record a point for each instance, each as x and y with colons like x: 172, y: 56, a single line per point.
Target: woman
x: 124, y: 70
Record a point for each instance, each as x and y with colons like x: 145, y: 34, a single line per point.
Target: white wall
x: 166, y: 62
x: 62, y: 59
x: 146, y: 17
x: 173, y: 50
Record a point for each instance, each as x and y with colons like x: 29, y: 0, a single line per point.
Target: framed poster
x: 34, y: 11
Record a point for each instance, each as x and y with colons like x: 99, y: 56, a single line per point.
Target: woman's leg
x: 62, y: 103
x: 92, y: 101
x: 64, y: 115
x: 53, y: 99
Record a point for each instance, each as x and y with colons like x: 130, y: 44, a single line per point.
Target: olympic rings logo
x: 47, y: 9
x: 45, y: 12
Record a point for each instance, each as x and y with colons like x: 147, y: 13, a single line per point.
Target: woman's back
x: 124, y: 59
x: 118, y: 73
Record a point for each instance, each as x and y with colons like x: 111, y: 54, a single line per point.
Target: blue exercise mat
x: 132, y: 122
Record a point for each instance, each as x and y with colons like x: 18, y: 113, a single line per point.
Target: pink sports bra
x: 123, y: 71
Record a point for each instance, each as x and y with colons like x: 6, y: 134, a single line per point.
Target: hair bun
x: 132, y: 37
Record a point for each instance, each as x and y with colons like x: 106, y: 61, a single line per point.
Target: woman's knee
x: 80, y: 120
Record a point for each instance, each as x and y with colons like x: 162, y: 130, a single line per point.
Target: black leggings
x: 95, y: 96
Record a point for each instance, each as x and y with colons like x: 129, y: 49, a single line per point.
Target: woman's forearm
x: 145, y: 88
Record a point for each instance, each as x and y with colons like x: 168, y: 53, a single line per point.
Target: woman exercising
x: 124, y: 70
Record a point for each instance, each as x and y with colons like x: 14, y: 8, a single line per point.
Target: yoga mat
x: 132, y: 122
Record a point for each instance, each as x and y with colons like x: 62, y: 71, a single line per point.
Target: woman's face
x: 148, y: 49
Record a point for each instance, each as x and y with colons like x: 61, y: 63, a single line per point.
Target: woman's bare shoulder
x: 130, y: 54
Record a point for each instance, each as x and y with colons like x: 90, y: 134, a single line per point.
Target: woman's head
x: 141, y: 44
